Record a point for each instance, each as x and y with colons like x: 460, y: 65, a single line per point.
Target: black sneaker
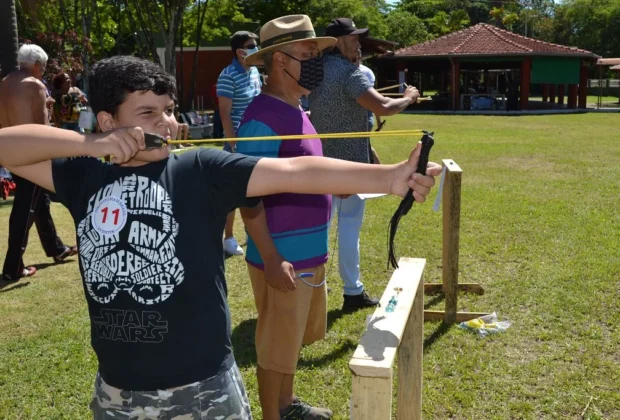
x: 354, y: 302
x: 299, y: 410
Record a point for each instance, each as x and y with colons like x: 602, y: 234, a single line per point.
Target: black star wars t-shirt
x: 152, y: 263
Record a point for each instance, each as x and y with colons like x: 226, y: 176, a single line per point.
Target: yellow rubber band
x: 393, y: 133
x: 388, y: 87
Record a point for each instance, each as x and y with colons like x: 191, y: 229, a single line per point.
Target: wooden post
x: 372, y: 398
x: 545, y: 92
x: 451, y: 233
x: 552, y: 93
x: 561, y: 94
x: 572, y: 96
x: 387, y: 334
x: 410, y: 355
x: 486, y: 81
x: 526, y: 77
x: 450, y: 285
x: 456, y: 84
x: 583, y: 85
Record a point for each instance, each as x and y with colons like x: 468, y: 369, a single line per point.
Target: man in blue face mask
x: 237, y: 87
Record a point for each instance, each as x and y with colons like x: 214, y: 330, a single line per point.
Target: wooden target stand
x: 450, y: 286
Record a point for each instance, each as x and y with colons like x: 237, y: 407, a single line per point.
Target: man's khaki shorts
x: 287, y: 320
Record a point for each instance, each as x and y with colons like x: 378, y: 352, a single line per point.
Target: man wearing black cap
x: 340, y: 105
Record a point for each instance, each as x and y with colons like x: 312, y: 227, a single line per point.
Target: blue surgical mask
x: 250, y: 51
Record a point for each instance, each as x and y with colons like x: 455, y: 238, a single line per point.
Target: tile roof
x: 487, y: 40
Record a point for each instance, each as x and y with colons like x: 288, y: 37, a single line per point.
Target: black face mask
x: 311, y: 74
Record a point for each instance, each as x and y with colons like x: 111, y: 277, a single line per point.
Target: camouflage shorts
x: 221, y: 397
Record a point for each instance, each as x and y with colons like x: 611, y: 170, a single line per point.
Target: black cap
x: 344, y: 26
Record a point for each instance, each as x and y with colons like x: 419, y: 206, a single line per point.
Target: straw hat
x: 286, y: 30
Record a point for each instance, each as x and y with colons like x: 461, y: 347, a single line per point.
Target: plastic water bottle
x: 391, y: 304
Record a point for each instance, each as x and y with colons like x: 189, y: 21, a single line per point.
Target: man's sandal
x: 26, y: 272
x: 68, y: 252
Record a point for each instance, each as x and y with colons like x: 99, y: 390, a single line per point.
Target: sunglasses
x: 249, y: 47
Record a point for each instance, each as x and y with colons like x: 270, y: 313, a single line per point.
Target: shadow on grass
x: 345, y: 349
x: 245, y: 352
x: 333, y: 316
x: 7, y: 203
x: 441, y: 330
x: 43, y: 266
x: 434, y: 301
x: 9, y: 286
x: 243, y: 343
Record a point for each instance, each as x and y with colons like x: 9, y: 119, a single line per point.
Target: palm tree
x: 8, y: 37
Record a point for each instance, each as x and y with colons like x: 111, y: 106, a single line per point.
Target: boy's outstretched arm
x: 316, y: 175
x: 27, y: 150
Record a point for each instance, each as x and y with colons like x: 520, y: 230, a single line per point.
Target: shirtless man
x: 23, y: 100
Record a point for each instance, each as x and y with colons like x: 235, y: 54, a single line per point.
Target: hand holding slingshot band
x: 154, y: 141
x: 404, y: 86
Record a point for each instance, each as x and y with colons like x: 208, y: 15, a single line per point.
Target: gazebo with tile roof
x: 485, y: 48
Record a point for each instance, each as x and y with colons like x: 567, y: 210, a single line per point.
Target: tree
x: 509, y: 19
x: 591, y: 24
x: 497, y: 13
x: 478, y: 12
x: 406, y: 28
x: 201, y: 24
x: 160, y: 19
x: 8, y: 37
x: 365, y: 13
x: 443, y: 23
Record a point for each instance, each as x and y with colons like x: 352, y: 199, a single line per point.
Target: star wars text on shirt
x: 127, y: 245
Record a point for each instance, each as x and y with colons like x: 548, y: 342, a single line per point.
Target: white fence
x: 605, y: 83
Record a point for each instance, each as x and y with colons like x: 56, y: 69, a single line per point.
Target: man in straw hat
x: 341, y: 105
x: 288, y: 232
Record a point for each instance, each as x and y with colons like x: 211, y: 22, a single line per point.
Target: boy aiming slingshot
x: 149, y: 228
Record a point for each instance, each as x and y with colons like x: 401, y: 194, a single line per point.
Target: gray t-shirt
x: 335, y: 110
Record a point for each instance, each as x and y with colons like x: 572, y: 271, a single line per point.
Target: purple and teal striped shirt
x: 298, y: 223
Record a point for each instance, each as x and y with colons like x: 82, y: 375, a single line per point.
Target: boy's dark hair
x: 111, y: 79
x: 239, y: 38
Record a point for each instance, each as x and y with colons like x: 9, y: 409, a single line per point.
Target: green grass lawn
x: 540, y: 230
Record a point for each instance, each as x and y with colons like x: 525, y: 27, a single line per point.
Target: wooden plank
x: 437, y: 288
x: 459, y: 316
x: 410, y: 362
x: 374, y: 356
x: 451, y: 231
x: 371, y: 398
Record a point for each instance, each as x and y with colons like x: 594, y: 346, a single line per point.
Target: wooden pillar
x: 451, y: 234
x: 583, y: 85
x: 572, y: 96
x: 372, y: 397
x: 388, y: 334
x: 456, y: 84
x: 552, y: 93
x: 486, y: 80
x: 526, y: 77
x: 545, y: 92
x: 561, y: 94
x: 409, y: 390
